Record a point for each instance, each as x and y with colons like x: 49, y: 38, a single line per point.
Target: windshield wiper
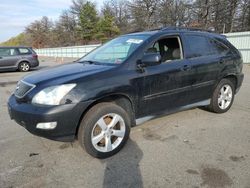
x: 87, y: 61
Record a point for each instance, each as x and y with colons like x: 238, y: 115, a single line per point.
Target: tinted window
x: 24, y: 51
x: 218, y: 47
x: 7, y: 52
x: 198, y: 46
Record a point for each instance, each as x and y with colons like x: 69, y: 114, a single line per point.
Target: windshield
x: 115, y: 51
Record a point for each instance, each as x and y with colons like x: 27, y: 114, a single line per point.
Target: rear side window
x: 198, y: 46
x: 218, y: 47
x: 7, y: 52
x: 24, y: 51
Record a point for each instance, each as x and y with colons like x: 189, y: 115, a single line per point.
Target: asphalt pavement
x: 193, y: 148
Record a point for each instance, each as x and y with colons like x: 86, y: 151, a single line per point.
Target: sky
x: 17, y: 14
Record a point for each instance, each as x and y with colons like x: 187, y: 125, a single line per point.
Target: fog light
x: 47, y: 125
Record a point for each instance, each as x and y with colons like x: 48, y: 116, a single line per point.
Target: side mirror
x: 151, y: 59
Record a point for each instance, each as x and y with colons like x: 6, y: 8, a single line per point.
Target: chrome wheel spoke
x: 226, y: 89
x: 228, y: 98
x: 223, y: 104
x: 220, y: 99
x: 118, y: 133
x: 108, y: 144
x: 97, y: 139
x: 101, y: 123
x: 222, y: 91
x: 114, y: 121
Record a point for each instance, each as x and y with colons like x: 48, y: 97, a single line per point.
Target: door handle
x: 186, y: 68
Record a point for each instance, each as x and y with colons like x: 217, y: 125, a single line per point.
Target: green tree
x: 106, y: 27
x: 88, y: 22
x: 76, y: 7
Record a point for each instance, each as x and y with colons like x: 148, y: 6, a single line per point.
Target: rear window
x: 198, y: 46
x: 7, y: 52
x: 24, y: 51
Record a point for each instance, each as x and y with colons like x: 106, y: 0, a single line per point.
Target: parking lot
x: 193, y: 148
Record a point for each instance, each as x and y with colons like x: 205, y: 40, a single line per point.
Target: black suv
x: 98, y: 98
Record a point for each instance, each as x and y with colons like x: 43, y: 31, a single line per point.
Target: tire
x: 226, y: 87
x: 97, y: 130
x: 24, y: 66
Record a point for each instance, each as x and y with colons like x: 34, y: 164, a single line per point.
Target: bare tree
x: 120, y: 11
x: 40, y: 32
x: 143, y: 14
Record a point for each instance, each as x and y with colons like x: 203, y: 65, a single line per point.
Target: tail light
x: 35, y: 56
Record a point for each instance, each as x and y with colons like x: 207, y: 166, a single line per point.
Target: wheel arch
x: 121, y: 100
x: 21, y: 61
x: 232, y: 78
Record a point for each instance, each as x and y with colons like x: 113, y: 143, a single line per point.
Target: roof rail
x: 185, y: 29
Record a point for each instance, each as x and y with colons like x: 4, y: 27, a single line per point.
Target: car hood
x: 65, y: 73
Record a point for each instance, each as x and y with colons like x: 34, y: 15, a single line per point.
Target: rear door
x: 205, y: 64
x: 226, y: 57
x: 8, y: 57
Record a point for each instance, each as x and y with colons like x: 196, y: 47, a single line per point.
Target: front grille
x: 22, y: 89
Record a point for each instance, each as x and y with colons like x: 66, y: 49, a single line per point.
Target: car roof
x: 170, y: 30
x: 15, y: 47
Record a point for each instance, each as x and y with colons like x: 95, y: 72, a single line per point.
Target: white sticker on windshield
x: 134, y: 41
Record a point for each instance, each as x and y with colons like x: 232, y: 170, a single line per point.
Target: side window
x: 218, y: 47
x: 4, y: 52
x: 24, y: 51
x: 169, y: 48
x: 13, y: 52
x: 155, y: 48
x: 7, y: 52
x: 198, y: 46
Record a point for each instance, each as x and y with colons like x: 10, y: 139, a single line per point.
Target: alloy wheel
x: 108, y: 132
x: 24, y: 67
x: 225, y: 96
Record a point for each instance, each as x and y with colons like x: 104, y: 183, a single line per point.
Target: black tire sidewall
x: 214, y: 106
x: 90, y: 119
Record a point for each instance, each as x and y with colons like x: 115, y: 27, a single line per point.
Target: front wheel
x: 104, y: 130
x: 223, y: 96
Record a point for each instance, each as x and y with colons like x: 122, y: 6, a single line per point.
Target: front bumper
x: 67, y: 117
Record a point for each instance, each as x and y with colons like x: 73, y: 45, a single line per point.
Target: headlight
x: 52, y: 95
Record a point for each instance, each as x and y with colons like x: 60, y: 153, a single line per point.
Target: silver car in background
x: 18, y: 58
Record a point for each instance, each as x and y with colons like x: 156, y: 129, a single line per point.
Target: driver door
x: 166, y: 86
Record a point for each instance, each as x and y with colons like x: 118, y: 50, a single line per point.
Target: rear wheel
x: 223, y: 96
x: 24, y: 66
x: 104, y: 130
